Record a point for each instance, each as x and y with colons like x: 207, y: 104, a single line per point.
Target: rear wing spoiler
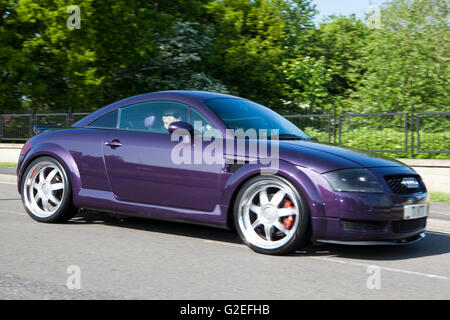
x: 42, y: 128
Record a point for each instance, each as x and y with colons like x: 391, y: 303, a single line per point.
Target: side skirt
x: 104, y: 201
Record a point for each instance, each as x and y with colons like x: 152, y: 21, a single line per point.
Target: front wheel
x: 46, y: 191
x: 271, y: 216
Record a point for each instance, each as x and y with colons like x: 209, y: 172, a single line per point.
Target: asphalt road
x: 146, y: 259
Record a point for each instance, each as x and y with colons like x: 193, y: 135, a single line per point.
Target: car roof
x: 181, y: 95
x: 202, y: 95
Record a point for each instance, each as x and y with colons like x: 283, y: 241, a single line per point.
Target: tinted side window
x: 107, y: 121
x: 155, y: 116
x: 197, y: 116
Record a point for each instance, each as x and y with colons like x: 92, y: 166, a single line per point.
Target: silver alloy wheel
x: 43, y: 189
x: 261, y: 212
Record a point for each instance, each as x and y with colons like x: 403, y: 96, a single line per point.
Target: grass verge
x: 439, y: 197
x: 8, y: 164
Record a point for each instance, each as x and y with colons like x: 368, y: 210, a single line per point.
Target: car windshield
x: 245, y: 114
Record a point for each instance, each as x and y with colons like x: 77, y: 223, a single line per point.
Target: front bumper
x: 357, y: 218
x: 336, y: 229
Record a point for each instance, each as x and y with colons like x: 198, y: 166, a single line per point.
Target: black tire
x: 302, y: 232
x: 66, y: 209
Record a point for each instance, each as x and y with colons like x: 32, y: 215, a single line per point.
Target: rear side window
x: 107, y: 121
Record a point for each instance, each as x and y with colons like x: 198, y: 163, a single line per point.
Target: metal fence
x: 378, y: 132
x: 321, y: 122
x: 425, y: 132
x: 433, y: 128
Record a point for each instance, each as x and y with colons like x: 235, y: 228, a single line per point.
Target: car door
x: 139, y: 165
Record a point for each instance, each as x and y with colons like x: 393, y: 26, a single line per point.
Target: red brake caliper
x: 288, y: 221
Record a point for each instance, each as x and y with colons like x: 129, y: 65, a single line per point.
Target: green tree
x: 341, y: 42
x: 407, y: 60
x: 46, y: 66
x: 178, y: 64
x: 306, y: 85
x: 325, y: 71
x: 251, y: 42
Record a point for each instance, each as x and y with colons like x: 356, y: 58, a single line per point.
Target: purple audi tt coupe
x: 121, y: 159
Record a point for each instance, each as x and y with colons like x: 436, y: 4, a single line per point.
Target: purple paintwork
x: 139, y: 179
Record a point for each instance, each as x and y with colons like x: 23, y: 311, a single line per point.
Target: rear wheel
x: 271, y: 216
x: 46, y: 191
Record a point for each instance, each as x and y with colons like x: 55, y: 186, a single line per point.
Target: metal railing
x: 381, y: 123
x: 19, y: 127
x: 425, y: 132
x: 438, y: 129
x: 376, y: 132
x: 315, y: 120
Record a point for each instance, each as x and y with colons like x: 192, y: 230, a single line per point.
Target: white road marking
x: 224, y: 243
x: 13, y: 212
x: 10, y: 183
x: 428, y: 275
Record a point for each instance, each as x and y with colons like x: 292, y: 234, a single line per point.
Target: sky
x: 343, y: 7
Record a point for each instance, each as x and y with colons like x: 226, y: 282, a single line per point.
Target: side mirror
x: 180, y: 125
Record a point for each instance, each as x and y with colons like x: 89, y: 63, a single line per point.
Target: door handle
x: 113, y: 143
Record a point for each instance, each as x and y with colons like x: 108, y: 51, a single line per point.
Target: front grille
x: 395, y: 183
x: 408, y: 225
x: 363, y: 226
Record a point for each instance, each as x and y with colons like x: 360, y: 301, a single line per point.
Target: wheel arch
x: 60, y: 154
x: 301, y: 181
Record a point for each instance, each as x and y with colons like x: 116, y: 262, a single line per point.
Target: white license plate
x: 415, y: 211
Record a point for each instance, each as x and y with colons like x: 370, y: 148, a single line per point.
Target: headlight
x: 354, y: 180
